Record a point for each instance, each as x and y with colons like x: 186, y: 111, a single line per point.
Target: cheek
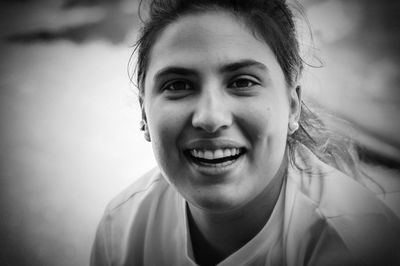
x: 163, y: 141
x: 266, y: 122
x: 166, y: 123
x: 267, y: 133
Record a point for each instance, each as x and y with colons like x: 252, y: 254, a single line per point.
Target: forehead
x: 207, y: 39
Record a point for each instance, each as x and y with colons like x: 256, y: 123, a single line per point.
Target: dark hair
x: 280, y: 34
x: 273, y: 21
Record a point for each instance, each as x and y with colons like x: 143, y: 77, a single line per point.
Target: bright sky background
x: 69, y: 136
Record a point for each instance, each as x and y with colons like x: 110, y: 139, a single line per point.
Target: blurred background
x: 69, y: 135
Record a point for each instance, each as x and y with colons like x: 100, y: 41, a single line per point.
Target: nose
x: 212, y: 111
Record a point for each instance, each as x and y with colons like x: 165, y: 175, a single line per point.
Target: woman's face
x: 217, y: 108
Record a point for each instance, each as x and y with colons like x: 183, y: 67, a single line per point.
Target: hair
x: 273, y: 21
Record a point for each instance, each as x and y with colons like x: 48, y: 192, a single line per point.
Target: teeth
x: 218, y: 153
x: 214, y: 154
x: 227, y: 153
x: 208, y: 155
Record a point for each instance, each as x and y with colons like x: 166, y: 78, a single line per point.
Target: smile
x: 215, y: 158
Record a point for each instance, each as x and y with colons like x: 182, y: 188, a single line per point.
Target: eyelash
x: 243, y: 79
x: 169, y: 85
x: 189, y: 86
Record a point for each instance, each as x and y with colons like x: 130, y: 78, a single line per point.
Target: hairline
x: 201, y: 10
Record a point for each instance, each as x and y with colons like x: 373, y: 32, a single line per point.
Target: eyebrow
x: 230, y: 67
x: 174, y: 70
x: 243, y: 64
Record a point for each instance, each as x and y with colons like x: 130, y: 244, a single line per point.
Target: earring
x: 293, y: 126
x: 142, y: 125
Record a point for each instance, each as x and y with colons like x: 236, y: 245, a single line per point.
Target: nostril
x: 211, y: 122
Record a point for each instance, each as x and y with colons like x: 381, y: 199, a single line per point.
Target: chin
x: 217, y: 200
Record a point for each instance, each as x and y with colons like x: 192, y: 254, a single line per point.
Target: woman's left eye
x: 242, y: 83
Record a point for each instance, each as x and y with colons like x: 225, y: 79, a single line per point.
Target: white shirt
x: 322, y: 217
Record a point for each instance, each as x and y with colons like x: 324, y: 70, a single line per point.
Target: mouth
x: 220, y: 157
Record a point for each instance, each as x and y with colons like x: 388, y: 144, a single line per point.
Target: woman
x: 240, y: 181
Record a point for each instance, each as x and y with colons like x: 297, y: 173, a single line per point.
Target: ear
x: 147, y: 133
x: 295, y: 104
x: 144, y: 119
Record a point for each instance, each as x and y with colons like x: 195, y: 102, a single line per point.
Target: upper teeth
x: 214, y: 154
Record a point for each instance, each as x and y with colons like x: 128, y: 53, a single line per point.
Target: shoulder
x: 347, y: 217
x: 147, y: 187
x: 134, y: 208
x: 331, y: 191
x: 140, y: 216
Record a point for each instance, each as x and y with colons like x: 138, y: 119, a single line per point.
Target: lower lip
x: 216, y: 169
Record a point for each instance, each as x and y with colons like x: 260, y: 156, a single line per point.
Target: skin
x: 210, y: 82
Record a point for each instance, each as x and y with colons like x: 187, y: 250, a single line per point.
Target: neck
x: 215, y: 236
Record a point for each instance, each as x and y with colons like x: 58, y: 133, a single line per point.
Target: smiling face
x: 217, y: 108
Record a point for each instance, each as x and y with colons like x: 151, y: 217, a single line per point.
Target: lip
x: 214, y: 144
x: 215, y: 170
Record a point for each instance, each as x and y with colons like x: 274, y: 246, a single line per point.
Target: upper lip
x: 212, y: 144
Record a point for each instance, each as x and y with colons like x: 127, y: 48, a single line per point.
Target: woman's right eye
x: 179, y: 85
